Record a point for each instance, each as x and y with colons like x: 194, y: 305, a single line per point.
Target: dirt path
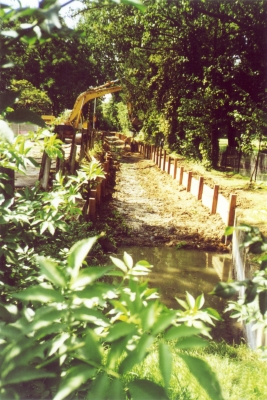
x: 160, y: 212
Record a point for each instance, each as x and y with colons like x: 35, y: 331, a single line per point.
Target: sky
x: 64, y: 12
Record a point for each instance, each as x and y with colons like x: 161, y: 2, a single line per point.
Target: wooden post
x: 92, y: 208
x: 200, y: 188
x: 41, y: 172
x: 175, y: 168
x: 189, y: 180
x: 169, y: 165
x: 73, y: 145
x: 181, y: 175
x: 232, y: 206
x: 164, y: 160
x: 46, y: 171
x: 160, y: 155
x: 83, y: 145
x: 73, y: 159
x: 98, y: 191
x: 106, y: 166
x: 103, y: 187
x: 214, y: 199
x: 93, y: 193
x: 60, y: 162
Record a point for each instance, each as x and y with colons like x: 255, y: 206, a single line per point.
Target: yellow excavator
x: 75, y: 119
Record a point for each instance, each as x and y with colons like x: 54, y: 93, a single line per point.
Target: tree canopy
x: 193, y: 70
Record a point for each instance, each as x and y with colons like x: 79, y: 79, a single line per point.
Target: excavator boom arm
x: 84, y: 97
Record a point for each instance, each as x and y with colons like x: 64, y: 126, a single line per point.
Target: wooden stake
x: 46, y: 171
x: 175, y: 168
x: 189, y: 180
x: 214, y: 199
x: 169, y: 165
x: 181, y: 175
x: 232, y: 206
x: 73, y: 159
x: 200, y: 188
x: 98, y: 191
x: 164, y: 161
x: 160, y: 155
x: 92, y: 208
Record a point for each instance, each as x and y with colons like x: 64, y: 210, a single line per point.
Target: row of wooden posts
x: 101, y: 188
x: 86, y: 143
x: 99, y: 193
x: 210, y: 197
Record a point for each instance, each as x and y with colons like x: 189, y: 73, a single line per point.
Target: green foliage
x: 194, y: 71
x: 14, y: 152
x: 193, y: 315
x: 123, y: 118
x: 58, y: 327
x: 30, y: 97
x: 239, y: 370
x: 110, y: 114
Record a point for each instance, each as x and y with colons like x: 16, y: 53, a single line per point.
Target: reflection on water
x: 178, y: 271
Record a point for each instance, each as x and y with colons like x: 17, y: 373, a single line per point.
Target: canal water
x: 176, y: 272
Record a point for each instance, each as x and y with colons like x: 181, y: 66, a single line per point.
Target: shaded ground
x: 158, y: 211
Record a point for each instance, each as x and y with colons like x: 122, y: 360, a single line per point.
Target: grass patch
x: 242, y: 375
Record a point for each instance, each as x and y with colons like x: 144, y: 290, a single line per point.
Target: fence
x: 210, y: 197
x: 22, y: 129
x: 244, y: 164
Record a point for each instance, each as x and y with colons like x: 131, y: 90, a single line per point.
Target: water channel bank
x: 157, y: 211
x: 176, y: 272
x: 165, y: 225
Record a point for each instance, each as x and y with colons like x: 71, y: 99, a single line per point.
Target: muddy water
x: 178, y: 271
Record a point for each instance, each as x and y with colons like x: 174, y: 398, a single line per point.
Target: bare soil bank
x: 158, y: 211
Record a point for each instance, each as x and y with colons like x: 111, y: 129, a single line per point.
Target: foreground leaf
x: 26, y: 374
x: 138, y: 355
x: 142, y: 389
x: 74, y: 379
x: 119, y: 330
x: 177, y: 332
x: 89, y: 275
x: 100, y: 387
x: 165, y: 363
x: 78, y: 252
x: 39, y: 293
x: 204, y: 375
x: 191, y: 343
x: 51, y: 271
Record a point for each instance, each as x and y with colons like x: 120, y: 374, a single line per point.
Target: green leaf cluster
x: 82, y: 334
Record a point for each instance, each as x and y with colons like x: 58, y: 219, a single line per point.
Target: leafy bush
x: 80, y: 334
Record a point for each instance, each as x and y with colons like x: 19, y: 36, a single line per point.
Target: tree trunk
x: 214, y: 146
